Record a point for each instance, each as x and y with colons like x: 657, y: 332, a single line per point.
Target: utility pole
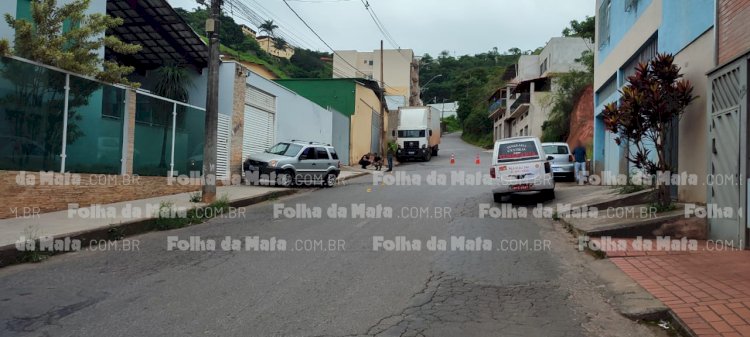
x: 208, y: 194
x: 383, y: 147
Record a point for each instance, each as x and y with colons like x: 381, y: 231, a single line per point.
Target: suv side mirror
x: 550, y: 158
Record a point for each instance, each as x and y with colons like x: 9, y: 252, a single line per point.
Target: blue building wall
x: 682, y: 22
x: 620, y: 23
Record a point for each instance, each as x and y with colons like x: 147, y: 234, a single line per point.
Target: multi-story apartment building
x: 521, y: 107
x: 398, y: 69
x: 633, y: 31
x: 727, y: 145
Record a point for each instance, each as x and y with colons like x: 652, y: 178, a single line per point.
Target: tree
x: 651, y: 105
x: 279, y: 43
x: 173, y: 82
x: 585, y: 28
x: 268, y: 27
x: 567, y: 91
x: 515, y: 51
x: 75, y: 49
x: 34, y: 106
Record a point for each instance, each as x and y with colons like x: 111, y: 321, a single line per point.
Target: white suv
x: 519, y: 164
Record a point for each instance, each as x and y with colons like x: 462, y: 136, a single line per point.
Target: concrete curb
x: 9, y: 255
x: 635, y: 198
x: 629, y: 298
x: 681, y: 326
x: 355, y: 175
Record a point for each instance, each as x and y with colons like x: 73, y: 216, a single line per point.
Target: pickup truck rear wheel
x: 548, y: 194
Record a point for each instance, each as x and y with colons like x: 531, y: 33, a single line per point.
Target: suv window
x: 510, y: 152
x: 285, y: 149
x: 308, y: 153
x: 334, y: 155
x: 322, y: 153
x: 555, y: 149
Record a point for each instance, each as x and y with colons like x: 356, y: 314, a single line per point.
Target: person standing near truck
x: 579, y: 154
x: 390, y: 151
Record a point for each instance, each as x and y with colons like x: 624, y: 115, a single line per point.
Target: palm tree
x: 267, y: 26
x: 279, y: 43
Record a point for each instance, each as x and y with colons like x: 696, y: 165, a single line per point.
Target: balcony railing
x: 497, y: 104
x: 525, y: 98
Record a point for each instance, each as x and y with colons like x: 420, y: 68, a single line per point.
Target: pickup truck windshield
x: 285, y: 149
x: 411, y: 133
x: 510, y: 152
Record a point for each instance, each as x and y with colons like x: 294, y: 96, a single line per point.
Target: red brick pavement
x: 708, y: 290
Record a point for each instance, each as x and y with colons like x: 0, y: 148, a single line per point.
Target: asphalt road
x: 330, y: 280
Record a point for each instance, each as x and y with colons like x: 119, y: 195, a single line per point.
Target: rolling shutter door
x: 259, y: 131
x: 223, y: 146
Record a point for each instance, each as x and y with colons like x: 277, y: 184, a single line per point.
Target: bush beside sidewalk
x: 112, y: 221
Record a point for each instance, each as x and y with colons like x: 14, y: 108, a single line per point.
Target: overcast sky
x: 426, y: 26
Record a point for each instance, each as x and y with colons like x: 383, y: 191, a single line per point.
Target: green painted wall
x: 23, y: 10
x: 339, y: 94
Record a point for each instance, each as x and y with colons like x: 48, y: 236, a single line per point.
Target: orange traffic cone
x: 453, y: 159
x: 477, y: 161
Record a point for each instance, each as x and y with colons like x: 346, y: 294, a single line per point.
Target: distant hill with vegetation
x: 470, y: 80
x: 304, y: 63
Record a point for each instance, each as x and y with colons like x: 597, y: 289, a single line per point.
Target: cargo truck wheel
x: 428, y: 156
x: 435, y: 152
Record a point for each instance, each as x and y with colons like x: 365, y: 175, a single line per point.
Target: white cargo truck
x: 418, y: 133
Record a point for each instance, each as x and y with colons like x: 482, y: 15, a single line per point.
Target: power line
x: 276, y: 18
x: 379, y: 24
x: 328, y: 45
x: 321, y: 39
x: 255, y: 19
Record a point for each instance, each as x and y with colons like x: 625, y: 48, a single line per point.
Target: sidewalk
x: 708, y: 291
x: 101, y: 217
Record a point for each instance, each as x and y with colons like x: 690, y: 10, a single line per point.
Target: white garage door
x: 259, y: 131
x: 224, y: 144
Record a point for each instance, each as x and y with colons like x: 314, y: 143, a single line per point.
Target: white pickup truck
x: 519, y: 164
